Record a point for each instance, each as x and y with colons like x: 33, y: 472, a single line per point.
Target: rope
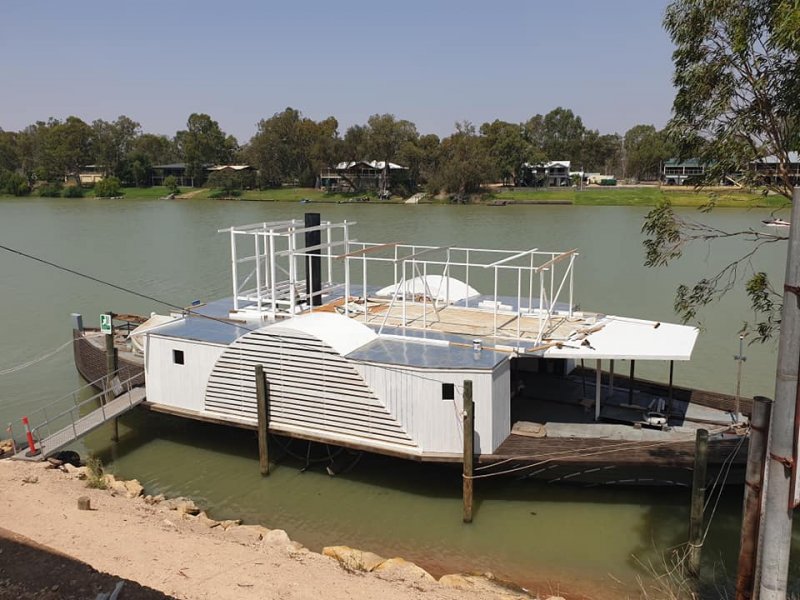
x: 39, y: 359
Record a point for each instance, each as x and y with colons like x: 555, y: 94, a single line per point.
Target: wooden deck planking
x: 595, y: 451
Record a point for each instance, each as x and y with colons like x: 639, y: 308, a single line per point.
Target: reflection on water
x: 531, y: 532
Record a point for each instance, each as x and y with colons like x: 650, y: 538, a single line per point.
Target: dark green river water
x: 572, y: 540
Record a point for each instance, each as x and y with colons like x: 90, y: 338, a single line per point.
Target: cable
x: 118, y: 287
x: 39, y: 359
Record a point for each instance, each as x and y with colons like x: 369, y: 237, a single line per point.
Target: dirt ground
x: 31, y: 571
x: 161, y: 553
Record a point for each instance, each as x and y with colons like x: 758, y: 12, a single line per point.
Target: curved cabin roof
x: 337, y: 331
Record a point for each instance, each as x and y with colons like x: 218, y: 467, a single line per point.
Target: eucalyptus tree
x: 737, y: 102
x: 507, y: 148
x: 202, y: 143
x: 113, y: 142
x: 645, y: 150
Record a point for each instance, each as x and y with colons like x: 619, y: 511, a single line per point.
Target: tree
x: 109, y: 187
x: 507, y: 148
x: 562, y: 134
x: 113, y: 142
x: 158, y: 149
x: 203, y: 143
x: 737, y: 75
x: 645, y: 150
x: 386, y: 135
x: 464, y: 164
x: 738, y: 86
x: 291, y: 148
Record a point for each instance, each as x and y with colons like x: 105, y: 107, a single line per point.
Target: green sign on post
x: 105, y: 324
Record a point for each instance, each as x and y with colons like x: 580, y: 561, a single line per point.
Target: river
x: 577, y: 541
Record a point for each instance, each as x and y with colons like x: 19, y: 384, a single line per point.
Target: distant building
x: 555, y: 173
x: 91, y: 174
x: 176, y: 170
x: 767, y: 169
x: 361, y: 176
x: 682, y: 172
x: 230, y: 169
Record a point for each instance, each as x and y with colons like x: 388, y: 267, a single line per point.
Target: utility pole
x: 778, y: 504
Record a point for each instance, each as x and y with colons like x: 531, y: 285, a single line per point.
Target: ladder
x: 62, y: 426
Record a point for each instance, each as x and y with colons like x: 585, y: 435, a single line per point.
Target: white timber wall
x: 180, y: 386
x: 414, y: 398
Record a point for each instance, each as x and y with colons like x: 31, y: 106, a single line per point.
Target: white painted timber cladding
x: 414, y: 397
x: 181, y: 386
x: 312, y: 389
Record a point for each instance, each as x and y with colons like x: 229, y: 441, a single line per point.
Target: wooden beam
x: 469, y: 449
x: 367, y: 249
x: 696, y: 533
x: 555, y: 260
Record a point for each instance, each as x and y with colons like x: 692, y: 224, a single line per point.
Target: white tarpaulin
x: 623, y: 338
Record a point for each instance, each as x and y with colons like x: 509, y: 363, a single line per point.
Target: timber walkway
x: 55, y: 427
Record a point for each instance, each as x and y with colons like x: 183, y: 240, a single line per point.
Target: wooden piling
x: 469, y: 449
x: 698, y: 501
x: 630, y: 381
x: 754, y: 483
x: 262, y: 400
x: 112, y: 364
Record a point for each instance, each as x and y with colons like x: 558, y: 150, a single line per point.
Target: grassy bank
x: 595, y: 196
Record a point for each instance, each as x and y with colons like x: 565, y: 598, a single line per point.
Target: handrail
x: 45, y: 424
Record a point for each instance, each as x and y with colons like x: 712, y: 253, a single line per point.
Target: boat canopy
x: 624, y: 338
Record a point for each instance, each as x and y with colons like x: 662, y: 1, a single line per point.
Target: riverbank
x: 173, y: 548
x: 592, y: 196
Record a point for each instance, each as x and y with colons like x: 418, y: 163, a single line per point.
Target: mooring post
x: 698, y: 500
x: 111, y: 369
x: 469, y: 449
x: 262, y: 400
x: 754, y: 483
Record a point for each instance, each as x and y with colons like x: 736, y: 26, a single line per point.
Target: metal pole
x: 630, y: 381
x: 754, y: 481
x: 698, y: 500
x: 598, y: 388
x: 740, y: 358
x: 263, y: 420
x: 469, y: 449
x: 778, y: 505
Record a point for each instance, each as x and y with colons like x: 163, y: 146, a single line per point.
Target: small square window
x: 448, y: 391
x: 177, y: 357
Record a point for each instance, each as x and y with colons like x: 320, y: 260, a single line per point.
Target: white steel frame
x: 277, y: 253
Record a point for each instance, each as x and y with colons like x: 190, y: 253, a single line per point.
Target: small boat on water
x: 776, y: 223
x: 383, y: 347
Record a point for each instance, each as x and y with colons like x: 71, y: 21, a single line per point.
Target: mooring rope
x: 45, y: 356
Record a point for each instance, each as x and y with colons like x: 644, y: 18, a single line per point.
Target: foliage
x: 203, y: 143
x: 464, y: 164
x: 73, y: 191
x: 14, y: 184
x: 113, y: 143
x: 291, y: 148
x: 645, y: 150
x: 738, y: 85
x: 229, y: 182
x: 171, y: 183
x: 738, y: 101
x: 96, y: 474
x: 507, y: 148
x: 50, y: 189
x: 225, y: 193
x: 109, y: 187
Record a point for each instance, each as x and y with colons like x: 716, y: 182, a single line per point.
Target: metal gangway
x: 66, y: 420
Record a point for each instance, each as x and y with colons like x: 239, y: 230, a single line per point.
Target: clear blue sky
x: 434, y: 62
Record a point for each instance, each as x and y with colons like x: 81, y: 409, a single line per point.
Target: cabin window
x: 177, y: 357
x: 448, y: 391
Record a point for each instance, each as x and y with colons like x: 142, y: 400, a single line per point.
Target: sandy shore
x: 160, y: 546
